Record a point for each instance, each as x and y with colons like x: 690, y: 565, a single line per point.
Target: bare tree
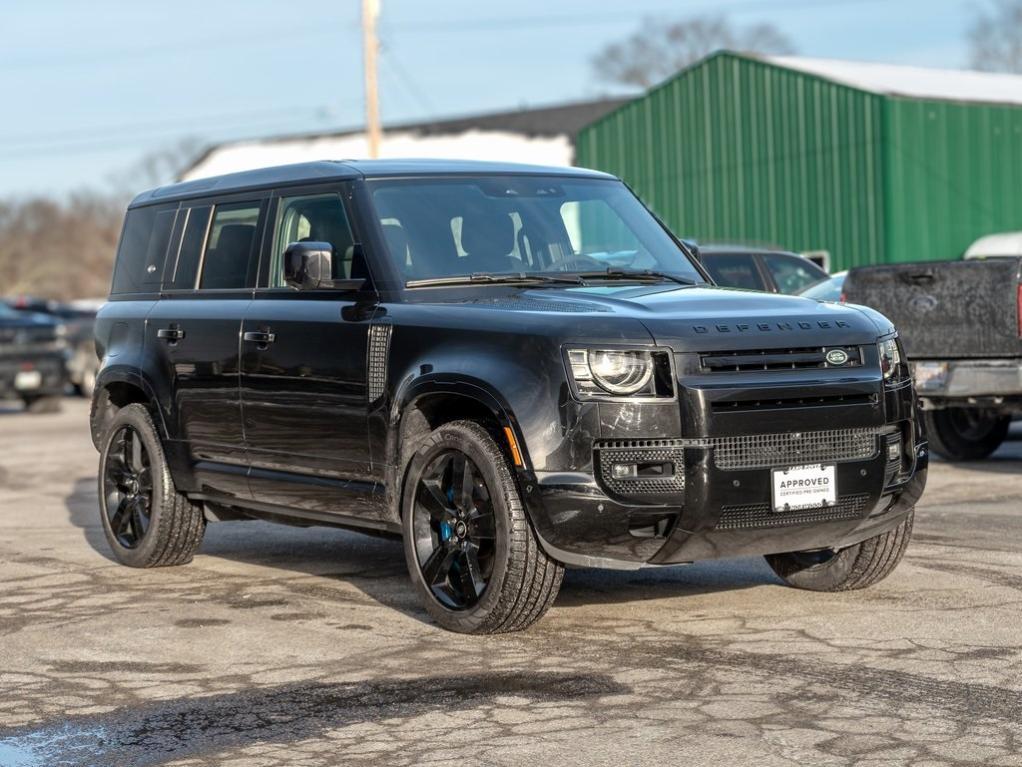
x: 995, y: 37
x: 660, y: 48
x: 159, y: 167
x: 59, y: 249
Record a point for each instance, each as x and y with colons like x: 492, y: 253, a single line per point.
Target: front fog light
x: 893, y: 451
x: 890, y: 357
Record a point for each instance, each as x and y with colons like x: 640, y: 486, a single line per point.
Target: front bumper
x: 963, y: 379
x: 720, y: 512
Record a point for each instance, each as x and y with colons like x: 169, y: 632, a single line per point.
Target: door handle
x: 170, y: 334
x: 259, y: 337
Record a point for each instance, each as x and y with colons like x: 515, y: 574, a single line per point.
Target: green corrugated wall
x: 738, y: 149
x: 954, y: 174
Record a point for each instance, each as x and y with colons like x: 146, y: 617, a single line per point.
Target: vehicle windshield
x: 545, y: 227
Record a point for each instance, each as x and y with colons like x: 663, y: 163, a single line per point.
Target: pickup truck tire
x: 471, y: 552
x: 147, y: 522
x: 965, y: 434
x: 855, y: 567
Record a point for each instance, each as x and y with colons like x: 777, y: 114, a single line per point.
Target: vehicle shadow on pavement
x: 82, y: 507
x: 155, y: 733
x: 590, y: 587
x: 376, y: 566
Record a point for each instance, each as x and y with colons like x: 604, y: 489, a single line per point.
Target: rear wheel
x: 470, y: 549
x: 855, y: 567
x: 965, y: 434
x: 147, y: 522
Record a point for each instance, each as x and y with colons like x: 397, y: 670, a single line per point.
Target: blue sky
x: 91, y: 87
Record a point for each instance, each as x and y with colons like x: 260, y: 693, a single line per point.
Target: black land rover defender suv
x: 514, y: 368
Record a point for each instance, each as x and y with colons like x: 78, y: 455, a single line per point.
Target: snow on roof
x: 911, y: 82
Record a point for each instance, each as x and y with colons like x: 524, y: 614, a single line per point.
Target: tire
x: 40, y: 404
x: 147, y: 522
x: 475, y: 562
x: 965, y: 434
x: 855, y: 567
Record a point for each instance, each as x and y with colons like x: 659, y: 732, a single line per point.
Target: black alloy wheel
x: 128, y: 487
x: 454, y: 530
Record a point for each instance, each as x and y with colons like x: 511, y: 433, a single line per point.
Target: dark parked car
x: 32, y: 358
x: 775, y: 271
x: 78, y: 319
x: 440, y: 350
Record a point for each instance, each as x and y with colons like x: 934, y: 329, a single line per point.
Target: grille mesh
x: 762, y: 451
x: 759, y: 515
x: 643, y: 451
x: 379, y: 347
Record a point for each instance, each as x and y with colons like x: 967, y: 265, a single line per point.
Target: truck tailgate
x: 946, y: 309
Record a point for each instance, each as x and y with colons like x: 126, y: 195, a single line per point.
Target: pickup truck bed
x: 960, y: 327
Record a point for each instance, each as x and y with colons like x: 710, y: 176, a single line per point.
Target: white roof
x: 994, y: 245
x: 911, y: 82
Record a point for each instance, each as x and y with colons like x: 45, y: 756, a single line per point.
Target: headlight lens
x: 890, y: 357
x: 621, y: 372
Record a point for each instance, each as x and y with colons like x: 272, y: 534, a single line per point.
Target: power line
x: 601, y: 19
x: 130, y: 128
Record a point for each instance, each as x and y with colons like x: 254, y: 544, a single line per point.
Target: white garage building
x: 543, y: 136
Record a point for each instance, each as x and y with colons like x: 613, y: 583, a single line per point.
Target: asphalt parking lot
x: 289, y: 646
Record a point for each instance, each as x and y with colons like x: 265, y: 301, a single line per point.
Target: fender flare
x: 460, y: 385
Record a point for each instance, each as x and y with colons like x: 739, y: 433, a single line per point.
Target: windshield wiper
x: 638, y: 274
x: 482, y: 278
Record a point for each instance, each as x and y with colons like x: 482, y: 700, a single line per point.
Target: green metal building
x: 870, y: 162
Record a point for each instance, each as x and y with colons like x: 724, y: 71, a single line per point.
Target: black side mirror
x: 309, y: 266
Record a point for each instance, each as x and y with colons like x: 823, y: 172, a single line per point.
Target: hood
x: 702, y: 318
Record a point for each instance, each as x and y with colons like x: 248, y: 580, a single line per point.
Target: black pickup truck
x: 961, y: 326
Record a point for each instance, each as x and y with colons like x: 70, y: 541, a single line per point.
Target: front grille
x: 762, y: 451
x: 781, y: 403
x: 642, y: 451
x: 759, y: 515
x: 803, y: 358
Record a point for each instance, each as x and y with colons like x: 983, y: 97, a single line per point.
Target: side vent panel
x: 379, y: 350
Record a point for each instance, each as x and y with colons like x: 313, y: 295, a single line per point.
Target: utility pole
x: 370, y: 47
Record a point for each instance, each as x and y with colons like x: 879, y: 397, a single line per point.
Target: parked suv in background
x: 440, y: 350
x: 775, y: 271
x: 33, y: 354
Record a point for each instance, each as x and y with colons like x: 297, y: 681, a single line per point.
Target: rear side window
x: 792, y: 273
x: 193, y: 239
x: 734, y: 270
x: 229, y: 257
x: 143, y: 250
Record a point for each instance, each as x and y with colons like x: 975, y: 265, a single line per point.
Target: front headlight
x: 890, y: 357
x: 612, y: 371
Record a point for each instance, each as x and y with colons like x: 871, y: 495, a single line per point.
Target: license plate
x: 28, y: 379
x: 930, y: 375
x: 804, y: 487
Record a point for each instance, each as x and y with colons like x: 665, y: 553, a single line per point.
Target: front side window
x: 230, y: 247
x: 313, y: 218
x: 450, y: 227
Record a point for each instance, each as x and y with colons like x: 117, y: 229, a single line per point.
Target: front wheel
x: 855, y: 567
x: 965, y: 434
x: 147, y: 522
x: 471, y: 552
